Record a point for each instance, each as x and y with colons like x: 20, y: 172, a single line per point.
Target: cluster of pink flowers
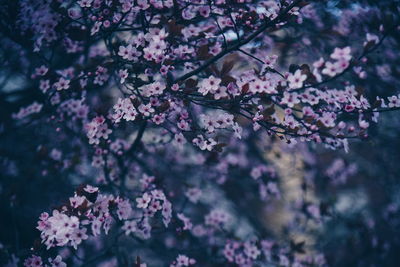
x: 97, y: 129
x: 68, y: 226
x: 155, y: 201
x: 27, y: 111
x: 249, y: 253
x: 182, y: 261
x: 89, y: 211
x: 36, y: 261
x: 342, y: 57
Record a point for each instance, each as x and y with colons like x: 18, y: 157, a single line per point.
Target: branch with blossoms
x: 160, y: 108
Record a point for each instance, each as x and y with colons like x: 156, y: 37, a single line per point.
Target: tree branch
x: 238, y: 44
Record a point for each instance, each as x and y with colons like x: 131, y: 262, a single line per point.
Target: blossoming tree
x: 160, y: 114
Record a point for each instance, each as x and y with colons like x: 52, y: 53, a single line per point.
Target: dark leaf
x: 173, y: 28
x: 218, y: 147
x: 227, y: 67
x: 227, y: 79
x: 190, y: 83
x: 245, y: 88
x: 163, y: 107
x: 202, y: 52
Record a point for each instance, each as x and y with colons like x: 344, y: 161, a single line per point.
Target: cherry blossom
x: 172, y: 132
x: 296, y: 80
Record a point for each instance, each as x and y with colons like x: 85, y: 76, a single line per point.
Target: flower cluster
x: 97, y: 129
x: 27, y: 111
x: 88, y: 209
x: 36, y: 261
x: 155, y: 201
x: 249, y: 253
